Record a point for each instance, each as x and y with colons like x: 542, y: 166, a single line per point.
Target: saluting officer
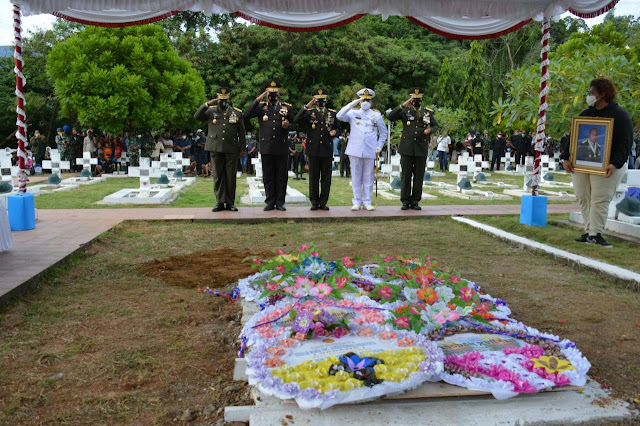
x: 275, y: 119
x: 226, y: 143
x: 322, y: 126
x: 414, y: 145
x: 366, y: 138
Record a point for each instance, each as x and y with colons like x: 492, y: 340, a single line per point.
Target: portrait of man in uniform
x: 590, y: 148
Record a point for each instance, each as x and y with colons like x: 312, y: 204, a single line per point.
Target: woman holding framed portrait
x: 601, y: 139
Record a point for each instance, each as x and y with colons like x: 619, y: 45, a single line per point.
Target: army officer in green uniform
x: 275, y: 119
x: 322, y: 126
x: 226, y: 143
x: 418, y: 124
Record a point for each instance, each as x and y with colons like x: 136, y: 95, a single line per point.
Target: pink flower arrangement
x: 385, y: 292
x: 386, y: 335
x: 315, y: 253
x: 304, y: 247
x: 558, y: 379
x: 387, y: 259
x: 470, y: 364
x: 406, y: 342
x: 367, y: 316
x: 467, y: 293
x: 365, y: 332
x: 482, y: 308
x: 423, y: 280
x: 280, y: 252
x: 257, y: 261
x: 347, y: 262
x: 446, y: 315
x: 454, y: 279
x: 338, y: 332
x: 306, y: 287
x: 402, y: 322
x: 530, y: 351
x: 280, y: 269
x: 271, y: 286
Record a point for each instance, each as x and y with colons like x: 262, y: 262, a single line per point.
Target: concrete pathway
x: 59, y: 233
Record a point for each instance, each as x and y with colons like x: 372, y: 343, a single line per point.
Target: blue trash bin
x: 533, y: 210
x: 22, y: 212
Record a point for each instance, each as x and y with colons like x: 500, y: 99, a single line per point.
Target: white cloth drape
x: 453, y: 17
x: 6, y: 240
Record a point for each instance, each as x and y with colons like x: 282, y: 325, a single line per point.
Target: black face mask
x: 416, y: 102
x: 321, y: 103
x: 273, y: 97
x: 223, y: 104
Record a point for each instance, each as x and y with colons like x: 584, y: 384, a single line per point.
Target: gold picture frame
x: 590, y: 147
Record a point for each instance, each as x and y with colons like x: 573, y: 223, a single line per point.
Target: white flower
x: 445, y: 294
x: 411, y: 294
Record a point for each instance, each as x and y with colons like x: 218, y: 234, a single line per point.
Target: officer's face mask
x: 416, y: 102
x: 321, y: 103
x: 273, y: 97
x: 591, y: 100
x: 224, y: 103
x: 365, y: 105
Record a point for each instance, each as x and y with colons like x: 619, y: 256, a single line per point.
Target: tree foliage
x: 473, y: 93
x: 124, y: 79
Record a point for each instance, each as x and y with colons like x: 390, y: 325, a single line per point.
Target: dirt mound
x: 207, y: 268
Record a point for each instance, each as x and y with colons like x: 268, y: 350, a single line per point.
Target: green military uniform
x: 319, y: 121
x: 414, y: 146
x: 225, y: 141
x: 67, y: 149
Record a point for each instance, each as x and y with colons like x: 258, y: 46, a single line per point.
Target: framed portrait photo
x: 590, y: 146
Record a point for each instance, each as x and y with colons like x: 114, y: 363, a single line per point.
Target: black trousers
x: 224, y: 176
x: 319, y: 175
x: 345, y: 166
x: 412, y: 169
x: 274, y: 177
x: 496, y: 159
x: 520, y: 157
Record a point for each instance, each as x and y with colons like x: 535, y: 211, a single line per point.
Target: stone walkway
x: 59, y: 233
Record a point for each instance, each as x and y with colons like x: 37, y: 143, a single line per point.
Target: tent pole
x: 20, y: 82
x: 542, y: 111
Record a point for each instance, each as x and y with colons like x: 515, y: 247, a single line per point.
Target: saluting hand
x: 262, y: 95
x: 213, y: 101
x: 311, y: 103
x: 285, y: 124
x: 407, y: 103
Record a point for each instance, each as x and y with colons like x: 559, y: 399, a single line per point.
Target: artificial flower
x: 406, y: 342
x: 338, y: 332
x: 320, y: 290
x: 385, y: 292
x: 341, y: 282
x: 304, y: 247
x: 402, y: 322
x: 280, y: 269
x: 280, y: 252
x: 257, y: 261
x: 429, y: 295
x: 271, y: 286
x: 552, y: 364
x: 446, y: 315
x: 454, y: 279
x: 365, y: 332
x: 347, y: 262
x: 423, y: 280
x: 386, y: 335
x: 387, y: 259
x: 315, y: 253
x: 274, y: 362
x: 466, y: 293
x: 303, y: 322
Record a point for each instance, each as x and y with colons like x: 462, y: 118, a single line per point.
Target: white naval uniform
x: 367, y: 134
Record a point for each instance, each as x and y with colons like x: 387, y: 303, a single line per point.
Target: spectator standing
x: 444, y: 142
x: 499, y: 146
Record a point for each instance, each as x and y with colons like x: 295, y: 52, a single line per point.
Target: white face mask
x: 366, y: 105
x: 591, y: 100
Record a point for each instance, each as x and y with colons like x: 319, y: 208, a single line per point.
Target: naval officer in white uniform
x: 366, y: 137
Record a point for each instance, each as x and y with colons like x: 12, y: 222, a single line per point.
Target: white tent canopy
x: 452, y: 18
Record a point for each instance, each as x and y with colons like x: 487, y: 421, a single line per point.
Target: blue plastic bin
x: 22, y: 212
x: 533, y: 210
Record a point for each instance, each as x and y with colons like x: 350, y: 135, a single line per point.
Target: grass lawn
x: 139, y: 347
x: 201, y: 193
x: 624, y: 253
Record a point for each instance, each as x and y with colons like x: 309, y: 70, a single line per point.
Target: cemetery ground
x: 201, y: 193
x: 120, y: 334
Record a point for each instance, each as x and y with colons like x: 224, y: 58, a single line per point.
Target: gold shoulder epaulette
x: 332, y: 110
x: 428, y: 109
x: 284, y: 103
x: 237, y: 109
x: 373, y: 109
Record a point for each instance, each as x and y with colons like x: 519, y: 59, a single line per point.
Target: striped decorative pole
x: 20, y: 82
x: 542, y: 111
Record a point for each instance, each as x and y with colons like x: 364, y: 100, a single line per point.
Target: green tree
x: 124, y: 79
x: 473, y: 93
x: 443, y: 88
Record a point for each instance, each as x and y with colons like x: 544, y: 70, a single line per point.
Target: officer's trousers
x: 362, y: 176
x: 224, y: 176
x: 319, y: 179
x: 275, y: 177
x: 412, y: 177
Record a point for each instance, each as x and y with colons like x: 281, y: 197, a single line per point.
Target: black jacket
x: 499, y: 145
x: 622, y: 138
x: 319, y: 124
x: 413, y: 141
x: 273, y: 137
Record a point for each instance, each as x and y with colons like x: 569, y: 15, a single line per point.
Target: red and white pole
x: 21, y: 133
x: 542, y: 111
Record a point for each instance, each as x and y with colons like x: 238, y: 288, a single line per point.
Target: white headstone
x: 5, y: 165
x: 528, y: 172
x: 55, y: 164
x: 257, y: 164
x: 507, y: 160
x: 86, y: 161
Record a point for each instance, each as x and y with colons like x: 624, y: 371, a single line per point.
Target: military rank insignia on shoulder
x: 332, y: 110
x: 284, y: 103
x: 428, y: 109
x: 237, y: 109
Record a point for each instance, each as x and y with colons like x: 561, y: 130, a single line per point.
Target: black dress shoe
x: 405, y: 207
x: 232, y: 208
x: 218, y: 208
x: 314, y: 208
x: 582, y: 239
x: 416, y: 207
x: 281, y: 208
x: 325, y: 207
x: 268, y: 207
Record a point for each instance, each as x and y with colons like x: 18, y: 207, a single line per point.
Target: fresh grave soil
x: 212, y: 268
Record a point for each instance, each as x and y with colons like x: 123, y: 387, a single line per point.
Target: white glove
x: 378, y: 150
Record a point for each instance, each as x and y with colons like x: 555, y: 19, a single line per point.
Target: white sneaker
x: 356, y: 207
x: 369, y: 207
